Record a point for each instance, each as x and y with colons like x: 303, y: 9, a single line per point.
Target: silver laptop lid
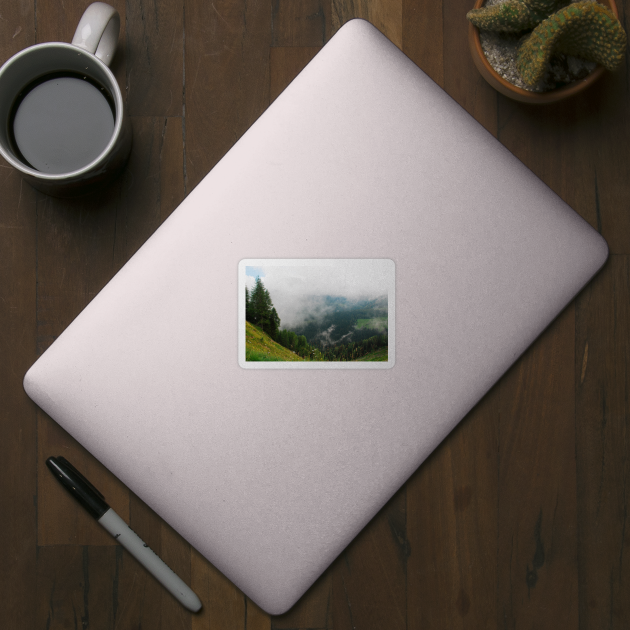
x: 364, y: 170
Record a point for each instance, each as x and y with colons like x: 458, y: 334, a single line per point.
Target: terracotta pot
x: 518, y: 94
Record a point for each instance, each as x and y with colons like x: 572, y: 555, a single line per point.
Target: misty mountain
x: 329, y: 320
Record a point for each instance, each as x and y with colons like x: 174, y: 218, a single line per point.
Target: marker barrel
x: 149, y: 559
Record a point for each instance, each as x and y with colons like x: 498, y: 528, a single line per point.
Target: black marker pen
x: 94, y: 502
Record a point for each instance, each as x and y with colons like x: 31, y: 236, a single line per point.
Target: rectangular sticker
x: 316, y: 314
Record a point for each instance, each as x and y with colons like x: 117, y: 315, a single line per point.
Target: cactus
x: 513, y: 16
x: 584, y: 29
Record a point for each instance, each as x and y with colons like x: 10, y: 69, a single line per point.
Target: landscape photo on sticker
x: 334, y: 312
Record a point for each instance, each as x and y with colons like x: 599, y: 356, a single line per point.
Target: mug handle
x: 98, y: 30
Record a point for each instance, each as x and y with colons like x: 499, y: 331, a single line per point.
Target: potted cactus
x: 558, y: 49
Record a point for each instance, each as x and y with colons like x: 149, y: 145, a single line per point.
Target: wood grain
x: 573, y: 149
x: 313, y: 609
x: 452, y: 515
x: 537, y: 510
x: 57, y: 22
x: 154, y: 57
x: 76, y: 587
x: 285, y: 64
x: 224, y: 606
x: 18, y: 416
x: 517, y: 520
x: 609, y: 134
x: 148, y: 603
x: 461, y: 79
x: 422, y: 36
x: 61, y: 521
x: 226, y: 78
x: 386, y: 15
x: 151, y: 187
x: 300, y: 22
x: 369, y: 577
x: 602, y: 380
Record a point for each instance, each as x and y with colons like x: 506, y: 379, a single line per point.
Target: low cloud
x: 377, y: 324
x: 306, y: 291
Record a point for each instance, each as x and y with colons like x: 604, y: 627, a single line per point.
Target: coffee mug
x: 62, y: 114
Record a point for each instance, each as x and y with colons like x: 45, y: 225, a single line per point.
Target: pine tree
x: 292, y: 341
x: 254, y: 301
x: 284, y: 338
x: 274, y: 322
x: 260, y: 306
x: 265, y: 311
x: 248, y: 306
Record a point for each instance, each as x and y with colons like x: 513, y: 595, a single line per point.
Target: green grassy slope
x: 259, y: 346
x: 262, y: 347
x: 377, y: 355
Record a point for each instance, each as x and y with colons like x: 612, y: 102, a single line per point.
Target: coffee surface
x: 62, y: 124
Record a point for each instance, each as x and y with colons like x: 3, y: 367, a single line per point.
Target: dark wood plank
x: 74, y: 248
x: 57, y: 22
x: 452, y: 527
x: 17, y: 28
x: 224, y: 606
x: 537, y: 537
x: 422, y: 36
x: 571, y: 147
x: 608, y: 125
x: 226, y: 78
x: 575, y: 148
x: 285, y: 64
x: 18, y: 423
x: 256, y: 618
x: 300, y: 22
x: 603, y: 443
x: 608, y: 128
x: 152, y: 185
x: 369, y: 577
x: 313, y: 610
x: 461, y: 78
x: 171, y: 159
x: 386, y: 15
x: 154, y: 57
x: 18, y: 416
x: 76, y: 587
x: 558, y: 147
x: 60, y: 519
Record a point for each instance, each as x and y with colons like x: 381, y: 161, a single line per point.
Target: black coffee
x: 61, y: 123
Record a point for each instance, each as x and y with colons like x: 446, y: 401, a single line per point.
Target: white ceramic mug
x: 88, y: 58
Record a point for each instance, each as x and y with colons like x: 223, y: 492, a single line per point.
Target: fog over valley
x: 304, y: 294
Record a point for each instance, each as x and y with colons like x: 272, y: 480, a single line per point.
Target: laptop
x: 409, y: 258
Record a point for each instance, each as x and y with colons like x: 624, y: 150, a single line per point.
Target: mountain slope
x: 259, y: 346
x: 377, y: 355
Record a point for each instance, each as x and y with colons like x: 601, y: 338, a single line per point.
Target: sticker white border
x: 385, y: 268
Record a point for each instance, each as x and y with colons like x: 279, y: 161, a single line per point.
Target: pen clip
x: 62, y: 460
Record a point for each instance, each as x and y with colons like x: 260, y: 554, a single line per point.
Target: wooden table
x: 518, y: 520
